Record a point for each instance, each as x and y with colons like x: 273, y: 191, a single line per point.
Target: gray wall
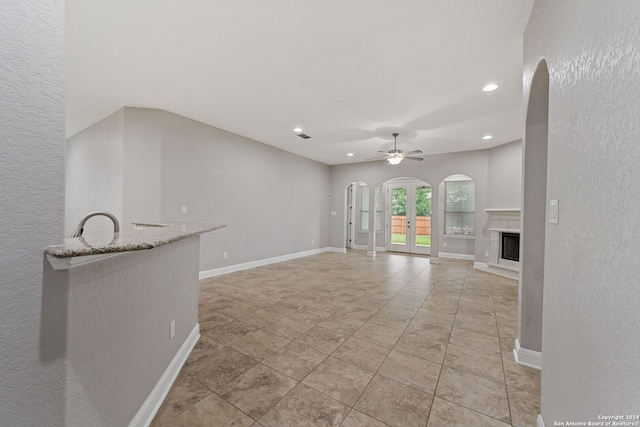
x: 534, y: 212
x: 154, y: 162
x: 590, y: 317
x: 433, y: 170
x: 504, y: 178
x: 114, y: 166
x: 118, y: 314
x: 142, y: 160
x: 274, y: 203
x: 94, y: 178
x: 32, y: 209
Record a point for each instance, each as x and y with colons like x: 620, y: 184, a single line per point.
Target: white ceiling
x: 349, y: 73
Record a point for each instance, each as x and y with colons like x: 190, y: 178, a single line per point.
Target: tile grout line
x: 351, y: 408
x: 315, y: 269
x: 504, y: 373
x: 456, y: 403
x: 385, y: 359
x: 435, y: 391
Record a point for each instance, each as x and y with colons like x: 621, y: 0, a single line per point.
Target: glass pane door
x: 422, y: 237
x: 400, y: 228
x: 409, y: 218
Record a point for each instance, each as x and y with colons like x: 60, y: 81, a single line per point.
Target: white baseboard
x: 365, y: 247
x: 539, y: 421
x: 456, y: 256
x: 530, y: 358
x: 151, y: 405
x: 433, y: 260
x: 483, y: 266
x: 337, y: 250
x: 261, y: 262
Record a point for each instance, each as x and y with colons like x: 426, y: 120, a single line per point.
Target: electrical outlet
x: 444, y: 245
x: 313, y: 241
x: 172, y: 329
x: 486, y: 253
x: 184, y: 209
x: 225, y: 255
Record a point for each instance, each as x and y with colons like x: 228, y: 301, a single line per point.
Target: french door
x: 409, y: 218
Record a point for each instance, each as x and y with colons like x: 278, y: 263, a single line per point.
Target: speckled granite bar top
x: 144, y: 236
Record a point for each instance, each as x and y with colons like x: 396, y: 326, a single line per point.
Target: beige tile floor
x: 351, y: 340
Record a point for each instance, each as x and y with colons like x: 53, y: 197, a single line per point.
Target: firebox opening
x: 511, y: 246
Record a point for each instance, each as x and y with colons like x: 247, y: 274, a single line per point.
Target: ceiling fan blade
x: 411, y: 153
x: 418, y: 159
x: 376, y: 158
x: 385, y: 152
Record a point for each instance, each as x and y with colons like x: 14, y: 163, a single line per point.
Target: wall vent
x: 303, y: 136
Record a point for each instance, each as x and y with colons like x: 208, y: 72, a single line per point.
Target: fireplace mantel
x: 505, y: 230
x: 498, y: 211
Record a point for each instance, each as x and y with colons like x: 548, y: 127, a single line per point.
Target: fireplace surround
x: 503, y: 227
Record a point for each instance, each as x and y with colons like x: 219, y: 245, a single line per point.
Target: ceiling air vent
x: 303, y: 136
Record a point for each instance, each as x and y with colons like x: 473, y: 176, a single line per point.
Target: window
x: 378, y: 202
x: 460, y: 207
x: 364, y: 207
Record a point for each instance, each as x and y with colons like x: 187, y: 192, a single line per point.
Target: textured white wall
x: 590, y: 317
x: 273, y: 202
x: 94, y: 180
x: 32, y: 122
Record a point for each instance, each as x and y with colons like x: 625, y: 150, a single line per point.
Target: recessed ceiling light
x: 487, y: 137
x: 350, y: 154
x: 297, y: 130
x: 490, y: 87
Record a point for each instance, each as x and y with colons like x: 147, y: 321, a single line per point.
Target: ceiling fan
x: 395, y: 156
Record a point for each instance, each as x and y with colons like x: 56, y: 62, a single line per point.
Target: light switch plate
x: 553, y: 211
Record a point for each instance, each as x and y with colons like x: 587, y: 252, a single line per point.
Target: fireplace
x: 503, y: 256
x: 510, y: 249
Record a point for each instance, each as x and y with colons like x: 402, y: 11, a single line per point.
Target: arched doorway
x: 359, y: 225
x: 533, y: 220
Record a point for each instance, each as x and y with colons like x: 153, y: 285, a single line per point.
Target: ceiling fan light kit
x: 395, y: 159
x: 395, y: 156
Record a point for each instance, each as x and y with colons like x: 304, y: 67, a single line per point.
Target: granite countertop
x: 143, y: 236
